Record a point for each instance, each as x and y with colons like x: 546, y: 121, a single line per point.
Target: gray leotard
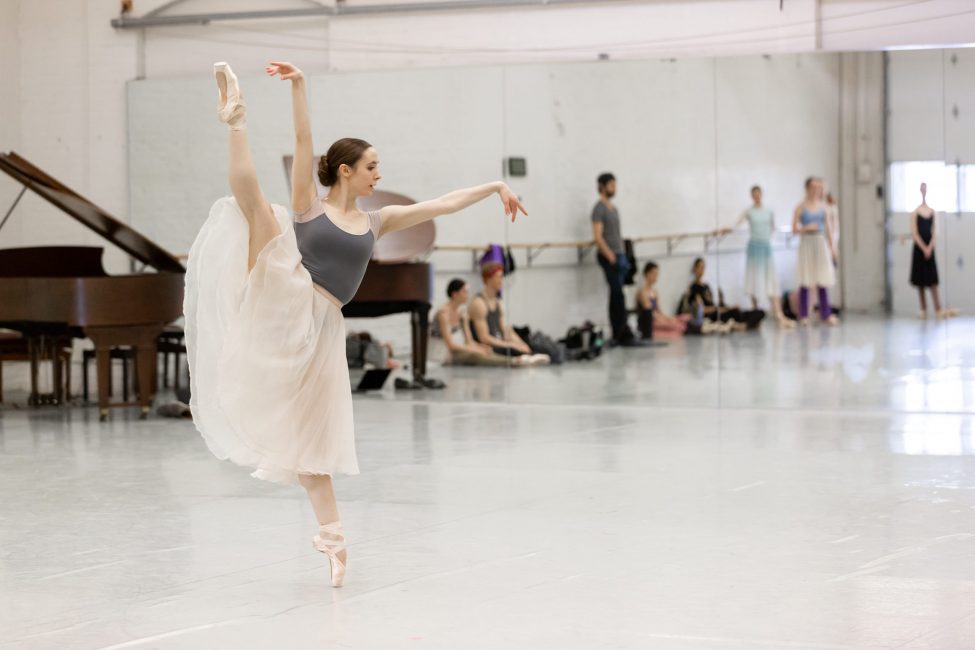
x: 335, y: 259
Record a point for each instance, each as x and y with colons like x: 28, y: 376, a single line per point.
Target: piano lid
x: 88, y: 213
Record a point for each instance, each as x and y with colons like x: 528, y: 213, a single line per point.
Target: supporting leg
x: 935, y: 298
x: 803, y: 303
x: 825, y: 310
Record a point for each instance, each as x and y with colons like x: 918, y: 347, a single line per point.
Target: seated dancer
x: 699, y: 295
x: 651, y: 319
x: 451, y: 341
x: 488, y: 325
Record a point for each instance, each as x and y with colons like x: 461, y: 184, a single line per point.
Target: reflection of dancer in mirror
x: 924, y: 268
x: 264, y: 329
x: 760, y: 276
x: 817, y: 255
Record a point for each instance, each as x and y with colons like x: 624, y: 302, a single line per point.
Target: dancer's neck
x: 341, y: 198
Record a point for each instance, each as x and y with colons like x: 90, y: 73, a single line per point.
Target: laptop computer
x: 372, y: 380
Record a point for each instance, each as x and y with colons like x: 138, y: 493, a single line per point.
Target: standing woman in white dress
x: 265, y: 335
x: 817, y: 254
x: 761, y: 279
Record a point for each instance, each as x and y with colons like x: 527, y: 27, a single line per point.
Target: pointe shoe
x: 786, y: 324
x: 540, y: 360
x: 832, y: 320
x: 923, y: 315
x: 331, y: 541
x: 230, y: 106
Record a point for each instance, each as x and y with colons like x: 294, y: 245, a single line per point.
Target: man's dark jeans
x: 615, y: 275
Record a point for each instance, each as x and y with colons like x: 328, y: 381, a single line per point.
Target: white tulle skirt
x: 815, y: 263
x: 266, y: 352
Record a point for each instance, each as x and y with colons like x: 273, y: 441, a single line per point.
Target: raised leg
x: 242, y: 174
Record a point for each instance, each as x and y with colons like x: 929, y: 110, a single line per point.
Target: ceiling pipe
x: 156, y: 20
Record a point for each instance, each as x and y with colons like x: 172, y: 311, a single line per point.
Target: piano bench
x: 14, y: 347
x: 126, y: 354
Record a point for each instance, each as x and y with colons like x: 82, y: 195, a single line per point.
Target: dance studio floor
x: 808, y: 489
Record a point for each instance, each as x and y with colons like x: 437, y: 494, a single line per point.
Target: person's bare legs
x: 322, y: 496
x: 330, y: 539
x: 780, y: 318
x: 935, y: 298
x: 242, y: 174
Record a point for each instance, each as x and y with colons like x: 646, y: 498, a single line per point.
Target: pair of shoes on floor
x: 401, y: 383
x: 230, y: 106
x: 531, y: 360
x: 330, y: 540
x: 786, y: 324
x: 948, y: 313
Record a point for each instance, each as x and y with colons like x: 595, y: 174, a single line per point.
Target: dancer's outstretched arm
x: 398, y: 217
x: 303, y: 190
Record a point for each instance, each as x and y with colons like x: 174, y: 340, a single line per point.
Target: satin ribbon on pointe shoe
x: 331, y: 546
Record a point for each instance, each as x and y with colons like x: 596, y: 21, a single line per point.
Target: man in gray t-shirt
x: 612, y: 257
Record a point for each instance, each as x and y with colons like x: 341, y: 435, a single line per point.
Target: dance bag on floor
x: 583, y: 343
x: 542, y: 344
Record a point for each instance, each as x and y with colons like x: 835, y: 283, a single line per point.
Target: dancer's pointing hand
x: 511, y: 203
x: 285, y: 69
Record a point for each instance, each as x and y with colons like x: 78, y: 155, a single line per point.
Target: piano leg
x: 103, y: 370
x: 32, y: 350
x: 56, y: 353
x: 143, y: 341
x: 145, y: 366
x: 420, y: 331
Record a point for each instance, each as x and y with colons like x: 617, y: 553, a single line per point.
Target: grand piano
x: 53, y: 293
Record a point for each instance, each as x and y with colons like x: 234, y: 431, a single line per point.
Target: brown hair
x: 490, y: 268
x: 346, y: 151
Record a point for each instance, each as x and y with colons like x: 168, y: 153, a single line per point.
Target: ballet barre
x: 584, y: 246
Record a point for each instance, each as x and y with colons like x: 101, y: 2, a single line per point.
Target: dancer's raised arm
x: 303, y: 190
x: 398, y: 217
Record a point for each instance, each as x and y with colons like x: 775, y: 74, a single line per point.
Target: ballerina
x: 265, y: 335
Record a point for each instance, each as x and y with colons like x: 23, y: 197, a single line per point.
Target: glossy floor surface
x: 809, y: 489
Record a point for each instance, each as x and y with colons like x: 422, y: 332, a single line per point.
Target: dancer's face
x: 363, y: 178
x: 699, y: 271
x: 651, y: 276
x: 815, y: 190
x: 609, y: 189
x: 461, y: 295
x: 495, y: 281
x: 757, y: 196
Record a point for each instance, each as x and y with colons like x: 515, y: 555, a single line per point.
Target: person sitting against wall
x: 700, y: 297
x: 451, y: 342
x: 652, y: 321
x: 488, y: 325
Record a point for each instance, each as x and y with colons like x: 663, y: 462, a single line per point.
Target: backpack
x: 583, y: 343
